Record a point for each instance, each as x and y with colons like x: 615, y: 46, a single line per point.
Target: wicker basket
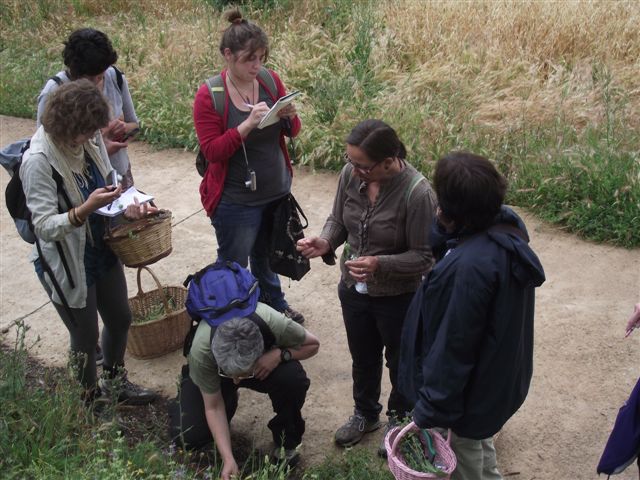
x: 143, y: 241
x: 157, y: 337
x: 445, y: 457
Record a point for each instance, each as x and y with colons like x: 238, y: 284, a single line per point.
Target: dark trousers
x: 287, y: 387
x: 107, y: 297
x: 374, y: 324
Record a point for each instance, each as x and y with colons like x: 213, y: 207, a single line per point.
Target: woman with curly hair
x: 64, y: 174
x: 89, y: 54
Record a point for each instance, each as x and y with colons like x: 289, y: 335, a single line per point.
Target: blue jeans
x: 243, y: 236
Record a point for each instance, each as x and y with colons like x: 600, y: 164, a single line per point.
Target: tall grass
x: 542, y: 88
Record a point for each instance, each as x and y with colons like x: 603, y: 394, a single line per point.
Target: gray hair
x: 236, y: 346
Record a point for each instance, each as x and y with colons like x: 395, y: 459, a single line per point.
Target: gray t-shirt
x: 120, y: 102
x: 264, y: 157
x: 203, y: 368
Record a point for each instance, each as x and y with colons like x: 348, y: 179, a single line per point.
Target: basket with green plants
x: 160, y: 320
x: 414, y: 453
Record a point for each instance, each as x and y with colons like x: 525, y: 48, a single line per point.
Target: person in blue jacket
x: 467, y: 344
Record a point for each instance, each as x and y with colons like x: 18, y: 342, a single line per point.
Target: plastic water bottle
x: 361, y: 287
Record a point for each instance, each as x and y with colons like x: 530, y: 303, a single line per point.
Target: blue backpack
x: 220, y: 292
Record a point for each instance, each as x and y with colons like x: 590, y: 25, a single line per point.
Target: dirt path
x: 584, y: 369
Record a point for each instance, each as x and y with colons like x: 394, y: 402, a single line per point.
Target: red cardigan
x: 218, y: 143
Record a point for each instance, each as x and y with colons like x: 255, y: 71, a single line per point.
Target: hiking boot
x: 391, y: 424
x: 126, y: 392
x: 294, y: 315
x: 289, y: 457
x: 352, y: 432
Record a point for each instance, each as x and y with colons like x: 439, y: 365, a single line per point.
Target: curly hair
x: 243, y: 35
x: 88, y: 52
x: 75, y: 108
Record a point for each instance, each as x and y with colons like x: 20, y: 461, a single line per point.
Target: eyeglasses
x: 365, y: 170
x: 237, y: 377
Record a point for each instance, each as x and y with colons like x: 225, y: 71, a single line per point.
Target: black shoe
x: 294, y: 315
x: 382, y: 449
x: 290, y: 457
x: 126, y: 392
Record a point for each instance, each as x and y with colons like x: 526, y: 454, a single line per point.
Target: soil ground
x: 584, y: 368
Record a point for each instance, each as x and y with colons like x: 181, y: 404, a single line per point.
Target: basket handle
x: 407, y: 429
x: 165, y: 302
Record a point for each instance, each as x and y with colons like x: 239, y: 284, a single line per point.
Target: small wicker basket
x: 163, y: 335
x: 444, y: 455
x: 143, y: 241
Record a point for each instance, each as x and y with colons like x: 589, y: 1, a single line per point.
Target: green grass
x: 561, y: 118
x: 48, y: 433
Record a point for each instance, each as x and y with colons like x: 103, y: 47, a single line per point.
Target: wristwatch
x: 285, y: 355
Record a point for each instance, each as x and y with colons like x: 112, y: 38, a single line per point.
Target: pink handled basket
x: 445, y: 458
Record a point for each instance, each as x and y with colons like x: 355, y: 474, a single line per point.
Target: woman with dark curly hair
x: 64, y: 174
x: 89, y: 54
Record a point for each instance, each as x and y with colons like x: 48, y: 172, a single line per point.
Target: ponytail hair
x: 377, y: 140
x: 243, y: 35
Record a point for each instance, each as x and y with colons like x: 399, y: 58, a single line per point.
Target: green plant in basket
x: 414, y: 447
x: 156, y: 311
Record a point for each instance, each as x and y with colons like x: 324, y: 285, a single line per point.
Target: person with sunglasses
x: 260, y: 349
x: 382, y: 211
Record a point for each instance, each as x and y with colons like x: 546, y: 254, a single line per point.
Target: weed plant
x: 548, y: 90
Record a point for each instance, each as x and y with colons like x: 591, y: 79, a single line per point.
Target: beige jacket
x: 49, y: 225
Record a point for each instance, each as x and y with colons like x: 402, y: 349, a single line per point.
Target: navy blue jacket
x: 467, y: 344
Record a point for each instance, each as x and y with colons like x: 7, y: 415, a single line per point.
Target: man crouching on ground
x: 261, y: 352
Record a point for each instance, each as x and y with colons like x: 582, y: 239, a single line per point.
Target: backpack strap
x: 217, y: 93
x: 56, y: 79
x: 412, y: 186
x: 267, y: 335
x: 119, y: 77
x: 216, y: 88
x: 269, y: 82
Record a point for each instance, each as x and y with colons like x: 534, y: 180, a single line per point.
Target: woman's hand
x: 229, y: 470
x: 115, y: 130
x: 97, y: 199
x: 137, y: 211
x: 313, y: 247
x: 112, y: 146
x: 258, y: 111
x: 634, y: 320
x: 266, y: 364
x: 288, y: 112
x: 362, y: 268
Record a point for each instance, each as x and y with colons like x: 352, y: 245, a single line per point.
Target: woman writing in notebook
x: 248, y: 169
x: 65, y: 177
